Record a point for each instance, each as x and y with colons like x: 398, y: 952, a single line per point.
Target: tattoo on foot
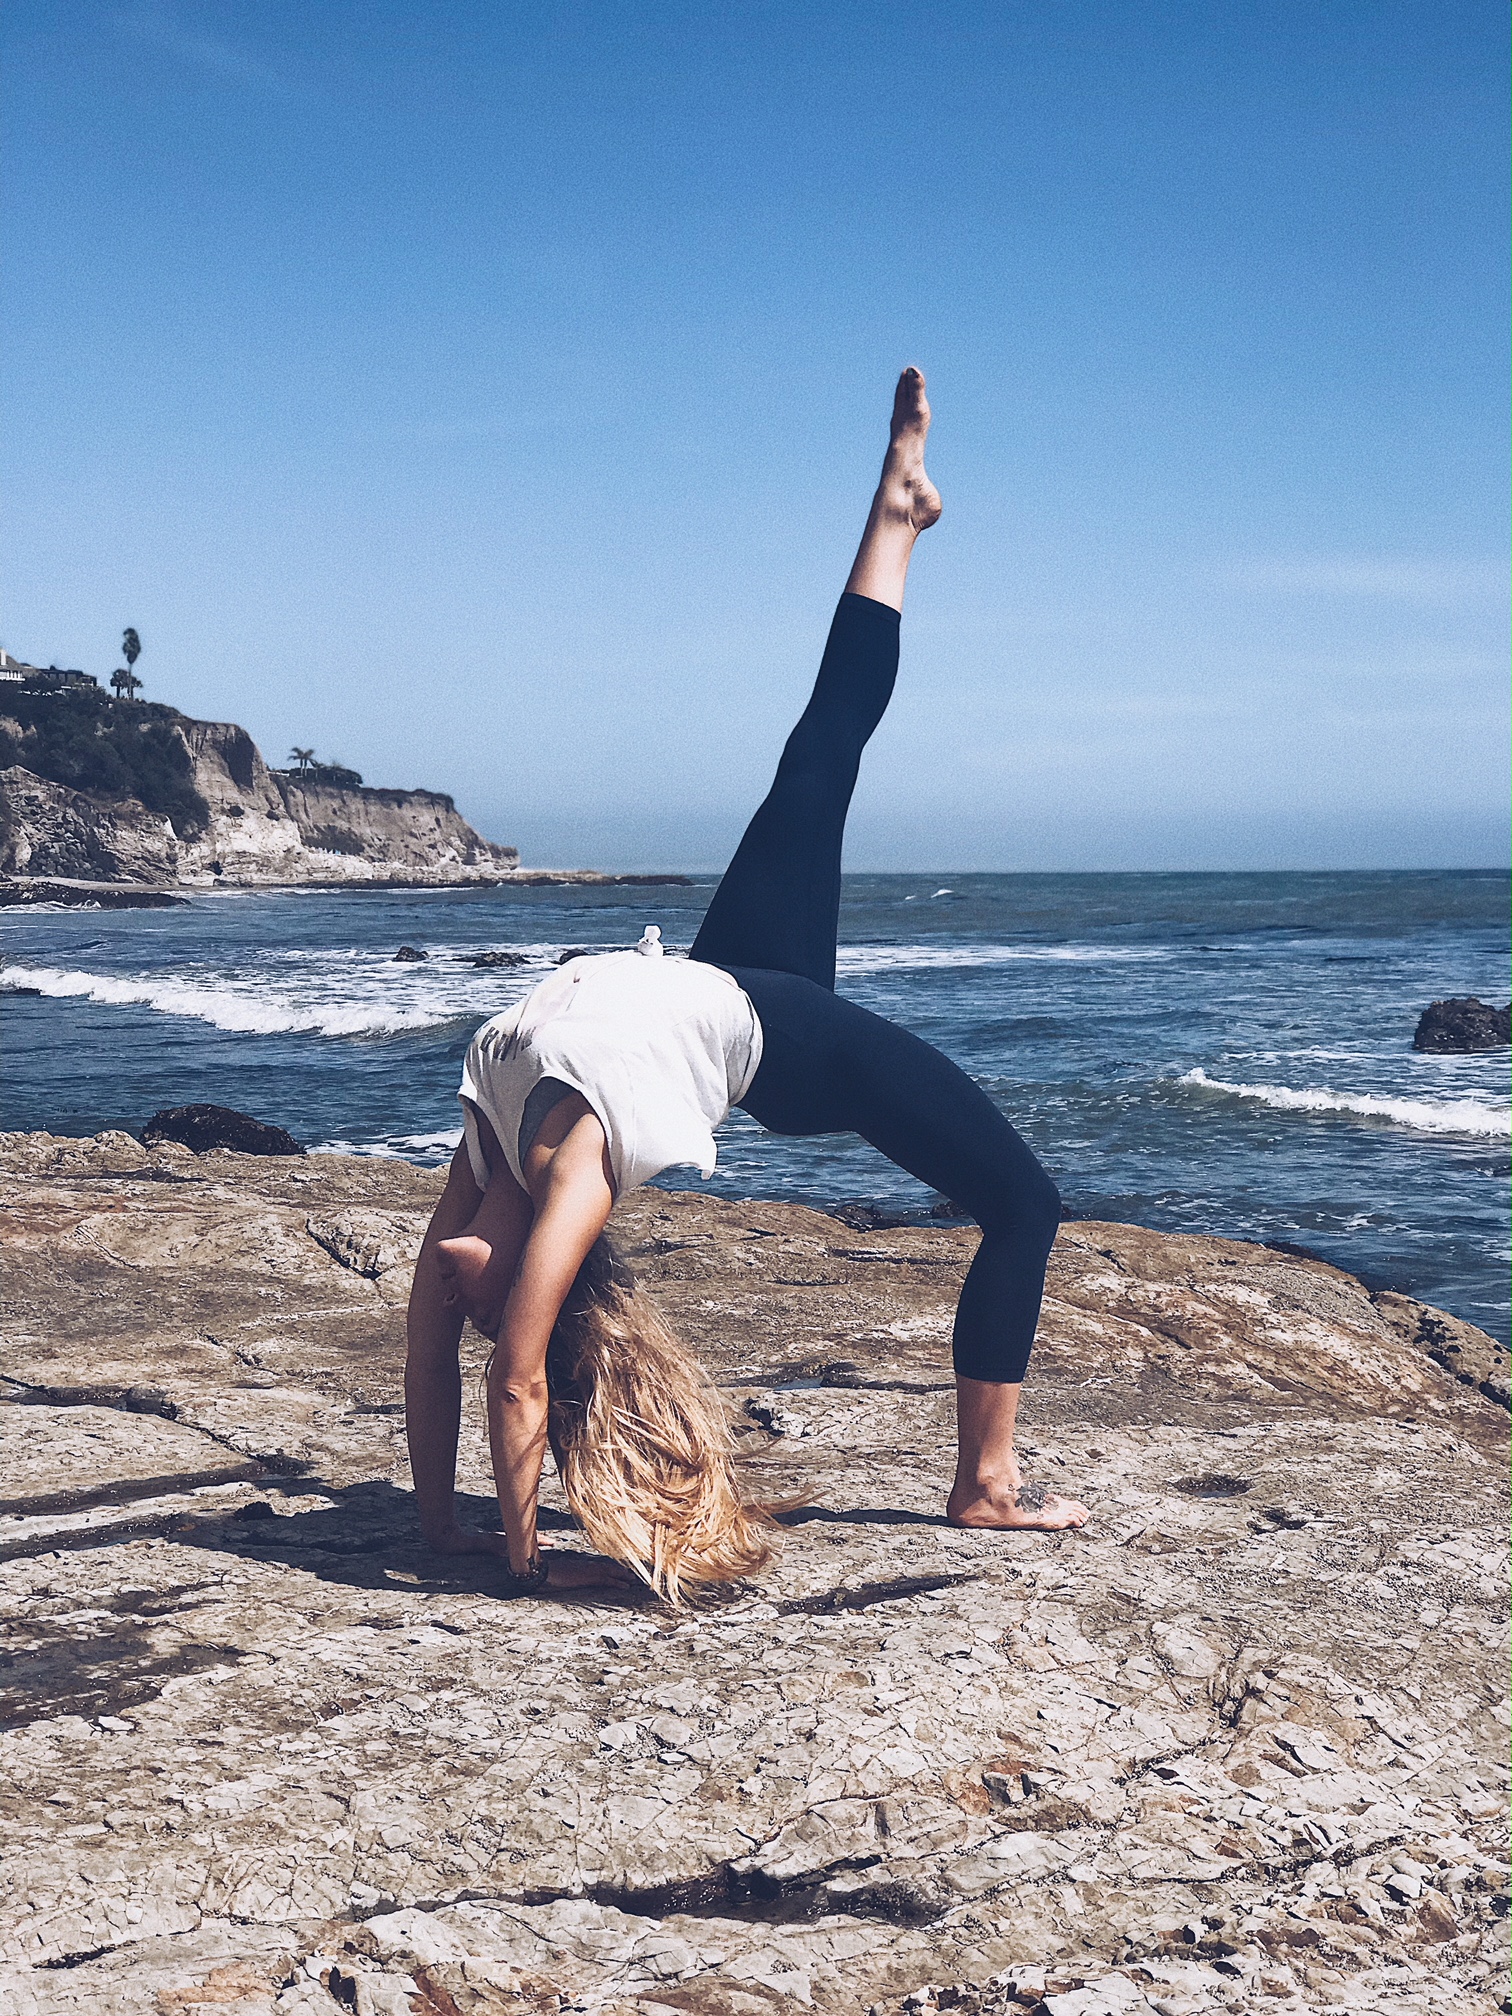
x: 1031, y: 1498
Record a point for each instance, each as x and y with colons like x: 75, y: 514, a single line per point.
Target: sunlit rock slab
x: 1239, y: 1744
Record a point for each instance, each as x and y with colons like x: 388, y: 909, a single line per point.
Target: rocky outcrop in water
x: 203, y: 1128
x: 1463, y: 1023
x: 1239, y: 1745
x: 27, y: 892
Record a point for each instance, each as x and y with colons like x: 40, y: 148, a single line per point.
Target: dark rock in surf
x: 205, y: 1127
x: 593, y: 951
x: 1463, y: 1023
x: 499, y: 959
x: 410, y: 955
x: 861, y: 1216
x: 86, y: 896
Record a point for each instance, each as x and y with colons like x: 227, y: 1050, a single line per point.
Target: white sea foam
x: 398, y: 1147
x: 339, y: 991
x: 245, y: 1005
x: 863, y: 959
x: 1424, y: 1116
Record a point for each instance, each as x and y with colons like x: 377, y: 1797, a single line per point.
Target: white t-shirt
x: 660, y: 1048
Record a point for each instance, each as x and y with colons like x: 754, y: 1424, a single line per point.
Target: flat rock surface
x: 1240, y: 1744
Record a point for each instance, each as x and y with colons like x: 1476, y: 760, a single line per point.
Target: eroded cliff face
x: 263, y: 827
x: 47, y: 829
x: 269, y: 827
x: 1238, y: 1745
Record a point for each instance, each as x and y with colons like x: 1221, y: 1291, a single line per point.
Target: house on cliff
x: 16, y: 672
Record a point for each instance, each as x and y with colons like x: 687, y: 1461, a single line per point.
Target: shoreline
x: 22, y: 891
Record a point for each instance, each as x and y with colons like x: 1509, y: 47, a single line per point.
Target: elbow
x: 530, y: 1395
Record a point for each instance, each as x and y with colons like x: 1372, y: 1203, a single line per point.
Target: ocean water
x: 1212, y: 1053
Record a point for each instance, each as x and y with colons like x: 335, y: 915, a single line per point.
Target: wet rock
x: 261, y: 1751
x: 84, y: 895
x: 204, y: 1127
x: 410, y: 955
x: 1463, y: 1023
x: 498, y: 959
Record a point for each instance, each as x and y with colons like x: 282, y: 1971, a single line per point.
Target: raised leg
x: 778, y: 904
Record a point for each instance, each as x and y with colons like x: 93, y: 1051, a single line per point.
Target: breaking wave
x: 861, y: 959
x: 352, y: 992
x: 424, y: 1148
x: 246, y: 1007
x: 1423, y: 1116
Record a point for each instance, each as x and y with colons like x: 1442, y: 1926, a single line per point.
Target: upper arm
x: 498, y: 1219
x: 573, y: 1203
x: 431, y: 1326
x: 459, y: 1201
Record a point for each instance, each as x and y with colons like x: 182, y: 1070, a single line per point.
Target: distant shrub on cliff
x: 330, y: 773
x: 85, y: 740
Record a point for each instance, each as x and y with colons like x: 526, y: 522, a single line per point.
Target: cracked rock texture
x: 1239, y: 1745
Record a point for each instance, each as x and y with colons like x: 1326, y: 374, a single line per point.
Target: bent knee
x: 1028, y: 1207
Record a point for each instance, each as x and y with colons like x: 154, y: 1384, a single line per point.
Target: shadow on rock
x: 363, y: 1537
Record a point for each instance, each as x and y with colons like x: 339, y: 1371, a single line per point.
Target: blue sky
x: 489, y: 395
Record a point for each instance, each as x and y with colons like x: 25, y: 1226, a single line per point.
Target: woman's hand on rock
x: 565, y: 1570
x: 583, y: 1571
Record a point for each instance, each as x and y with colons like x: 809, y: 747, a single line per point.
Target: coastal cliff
x: 277, y: 826
x: 115, y: 791
x: 1237, y: 1745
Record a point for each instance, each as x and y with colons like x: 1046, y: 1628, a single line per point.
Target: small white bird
x: 650, y: 942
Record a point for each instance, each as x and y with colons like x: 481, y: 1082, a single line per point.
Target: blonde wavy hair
x: 642, y: 1440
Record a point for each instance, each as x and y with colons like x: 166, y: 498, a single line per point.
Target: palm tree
x: 125, y: 682
x: 131, y: 650
x: 303, y: 758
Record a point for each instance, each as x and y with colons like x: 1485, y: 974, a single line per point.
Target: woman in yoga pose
x: 621, y: 1065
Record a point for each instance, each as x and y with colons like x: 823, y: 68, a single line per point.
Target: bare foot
x: 906, y: 491
x: 464, y: 1265
x: 906, y: 502
x: 1014, y: 1506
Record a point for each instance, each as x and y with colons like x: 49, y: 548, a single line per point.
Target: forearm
x: 432, y: 1378
x: 517, y: 1413
x: 570, y: 1213
x: 433, y: 1414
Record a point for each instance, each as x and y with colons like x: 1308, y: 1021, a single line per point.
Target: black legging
x: 830, y: 1067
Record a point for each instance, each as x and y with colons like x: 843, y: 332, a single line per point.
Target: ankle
x: 1001, y: 1481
